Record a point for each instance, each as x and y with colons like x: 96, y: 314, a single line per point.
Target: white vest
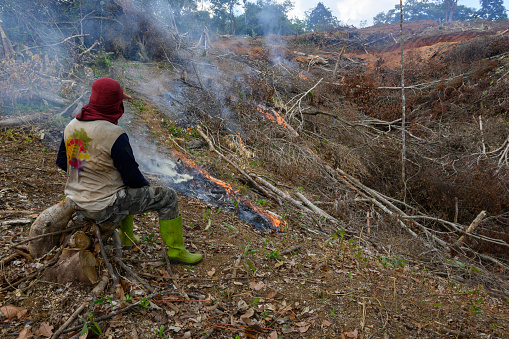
x: 92, y: 179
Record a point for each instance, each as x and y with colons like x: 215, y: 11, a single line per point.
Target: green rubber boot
x: 171, y: 233
x: 127, y: 237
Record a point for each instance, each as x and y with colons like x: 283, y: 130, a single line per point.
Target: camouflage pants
x: 138, y: 200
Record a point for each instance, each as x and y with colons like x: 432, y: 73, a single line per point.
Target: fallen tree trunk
x: 26, y: 119
x: 51, y: 97
x: 51, y: 220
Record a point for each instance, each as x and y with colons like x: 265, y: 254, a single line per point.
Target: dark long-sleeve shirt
x: 123, y: 160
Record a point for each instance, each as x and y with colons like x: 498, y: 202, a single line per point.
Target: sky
x: 352, y: 12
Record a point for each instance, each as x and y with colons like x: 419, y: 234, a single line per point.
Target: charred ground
x: 362, y: 276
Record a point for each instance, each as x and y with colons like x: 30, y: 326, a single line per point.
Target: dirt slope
x: 303, y: 284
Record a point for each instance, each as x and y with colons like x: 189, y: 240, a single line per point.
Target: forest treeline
x: 47, y: 21
x: 443, y: 11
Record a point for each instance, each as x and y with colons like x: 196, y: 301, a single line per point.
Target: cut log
x: 73, y: 266
x: 88, y: 265
x: 80, y: 241
x: 50, y: 220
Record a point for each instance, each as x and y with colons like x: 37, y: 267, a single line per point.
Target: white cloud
x: 352, y: 12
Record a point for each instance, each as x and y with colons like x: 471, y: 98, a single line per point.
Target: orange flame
x: 302, y: 76
x: 272, y: 115
x: 276, y: 222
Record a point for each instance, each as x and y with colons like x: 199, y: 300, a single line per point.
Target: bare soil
x: 245, y: 285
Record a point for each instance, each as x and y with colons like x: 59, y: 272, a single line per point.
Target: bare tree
x: 403, y: 106
x: 5, y: 45
x: 449, y: 5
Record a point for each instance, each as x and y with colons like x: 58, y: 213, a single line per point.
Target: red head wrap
x: 105, y: 102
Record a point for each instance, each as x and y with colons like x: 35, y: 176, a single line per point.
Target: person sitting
x: 103, y: 177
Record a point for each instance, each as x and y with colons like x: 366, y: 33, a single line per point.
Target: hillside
x: 289, y: 120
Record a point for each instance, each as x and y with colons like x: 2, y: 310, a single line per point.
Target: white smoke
x: 151, y: 160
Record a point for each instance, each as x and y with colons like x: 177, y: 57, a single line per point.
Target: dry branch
x: 315, y: 209
x: 272, y: 115
x: 247, y: 176
x: 117, y: 245
x: 47, y: 235
x: 425, y: 85
x: 58, y: 43
x: 51, y: 97
x: 290, y: 250
x: 75, y: 107
x: 471, y: 228
x: 458, y: 228
x: 298, y: 102
x: 114, y: 313
x: 9, y: 258
x: 337, y: 62
x: 24, y: 254
x: 90, y: 48
x: 23, y: 221
x: 10, y: 212
x: 455, y: 333
x: 390, y: 209
x: 282, y: 194
x: 69, y: 321
x: 33, y: 275
x: 101, y: 286
x: 107, y: 263
x: 133, y: 275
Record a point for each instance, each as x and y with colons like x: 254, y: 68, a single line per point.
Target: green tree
x: 299, y: 26
x: 449, y: 6
x: 464, y: 13
x: 320, y: 18
x: 223, y: 15
x: 266, y: 17
x: 384, y: 18
x: 492, y: 10
x: 425, y: 10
